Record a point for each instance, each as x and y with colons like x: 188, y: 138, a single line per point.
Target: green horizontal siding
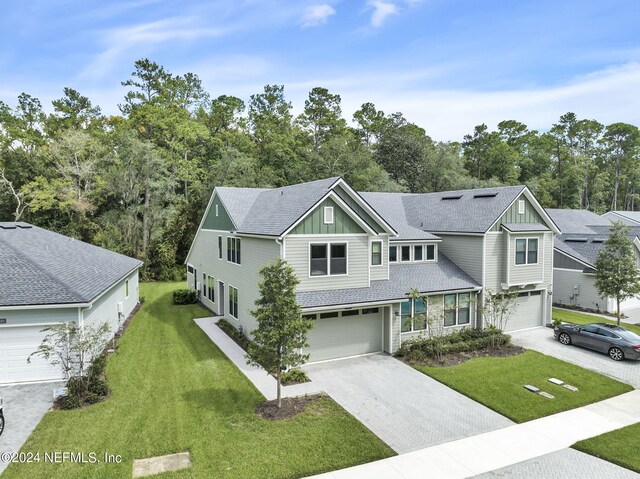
x: 221, y: 222
x: 360, y: 211
x: 314, y: 223
x: 512, y: 216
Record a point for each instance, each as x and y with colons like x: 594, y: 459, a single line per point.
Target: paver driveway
x: 24, y: 406
x: 405, y: 408
x: 542, y: 340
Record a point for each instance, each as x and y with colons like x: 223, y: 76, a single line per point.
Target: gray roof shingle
x: 425, y: 277
x: 40, y: 267
x: 576, y: 221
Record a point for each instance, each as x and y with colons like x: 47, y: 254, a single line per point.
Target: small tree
x: 432, y: 319
x: 282, y: 331
x: 72, y: 348
x: 498, y: 308
x: 616, y: 270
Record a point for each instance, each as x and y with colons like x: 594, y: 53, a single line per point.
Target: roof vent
x: 8, y: 227
x: 456, y: 197
x: 485, y: 195
x: 24, y: 226
x: 597, y: 240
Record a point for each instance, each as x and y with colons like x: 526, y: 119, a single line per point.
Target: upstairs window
x: 328, y: 259
x: 319, y: 260
x: 328, y: 215
x: 417, y: 252
x: 338, y: 264
x: 431, y: 252
x: 526, y: 251
x: 393, y: 254
x: 376, y: 253
x: 405, y: 252
x: 219, y: 247
x: 233, y: 250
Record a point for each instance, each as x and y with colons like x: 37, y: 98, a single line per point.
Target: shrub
x: 141, y: 299
x: 99, y: 387
x: 69, y: 402
x: 76, y: 386
x: 234, y: 333
x: 294, y: 376
x: 185, y: 296
x: 97, y: 367
x: 91, y: 398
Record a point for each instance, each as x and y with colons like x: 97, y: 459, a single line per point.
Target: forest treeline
x: 138, y: 182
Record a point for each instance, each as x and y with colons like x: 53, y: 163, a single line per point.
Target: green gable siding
x: 221, y: 222
x: 512, y: 216
x: 314, y: 223
x: 360, y: 211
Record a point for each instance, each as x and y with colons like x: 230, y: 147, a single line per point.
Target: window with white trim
x: 457, y: 309
x: 327, y: 259
x: 233, y: 250
x: 328, y: 215
x: 405, y: 252
x: 431, y: 252
x: 233, y: 302
x: 126, y: 289
x: 219, y: 247
x: 413, y: 315
x: 520, y: 207
x: 449, y: 309
x: 393, y: 254
x: 376, y: 253
x: 417, y: 252
x: 526, y: 251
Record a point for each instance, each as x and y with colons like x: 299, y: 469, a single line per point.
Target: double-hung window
x: 449, y: 309
x: 211, y: 289
x: 412, y: 315
x: 376, y: 253
x: 233, y: 302
x: 526, y: 251
x: 233, y: 250
x: 327, y: 259
x: 464, y: 308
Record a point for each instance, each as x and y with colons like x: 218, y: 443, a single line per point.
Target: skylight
x: 576, y: 240
x: 485, y: 195
x: 456, y: 197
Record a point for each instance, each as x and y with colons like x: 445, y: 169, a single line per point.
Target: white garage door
x: 528, y: 312
x: 346, y: 336
x: 16, y: 344
x: 630, y: 303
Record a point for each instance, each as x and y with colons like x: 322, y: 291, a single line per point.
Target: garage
x: 16, y: 344
x: 528, y: 312
x: 344, y: 334
x: 630, y: 303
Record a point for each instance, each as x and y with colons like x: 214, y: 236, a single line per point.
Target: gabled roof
x: 437, y: 277
x: 462, y: 211
x: 40, y: 267
x: 633, y: 216
x: 271, y: 212
x: 584, y: 248
x: 576, y: 221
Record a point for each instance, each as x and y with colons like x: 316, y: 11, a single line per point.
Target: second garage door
x: 16, y: 344
x: 528, y: 312
x: 345, y: 336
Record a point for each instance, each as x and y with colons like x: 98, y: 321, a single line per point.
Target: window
x: 370, y: 311
x: 233, y: 250
x: 233, y: 302
x: 536, y: 293
x: 464, y: 308
x: 449, y: 309
x: 405, y: 316
x: 405, y: 253
x: 312, y: 317
x: 328, y: 215
x: 520, y: 207
x: 376, y: 253
x: 332, y: 314
x: 409, y: 311
x: 204, y: 285
x: 350, y: 312
x: 526, y: 251
x: 393, y: 254
x: 417, y: 252
x: 211, y: 289
x: 189, y: 269
x: 523, y: 295
x: 216, y: 210
x: 126, y: 289
x: 319, y: 260
x: 328, y: 259
x: 431, y: 252
x: 219, y: 247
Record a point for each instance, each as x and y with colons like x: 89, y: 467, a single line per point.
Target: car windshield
x: 629, y: 336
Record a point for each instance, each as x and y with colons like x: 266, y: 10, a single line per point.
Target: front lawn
x: 581, y: 318
x: 174, y: 391
x: 498, y: 384
x: 619, y: 446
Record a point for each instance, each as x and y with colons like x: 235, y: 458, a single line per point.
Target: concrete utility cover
x: 531, y: 388
x: 556, y: 381
x: 156, y: 465
x: 546, y: 395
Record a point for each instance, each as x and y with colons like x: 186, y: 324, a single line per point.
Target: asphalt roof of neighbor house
x: 632, y: 215
x: 40, y: 267
x: 576, y: 221
x: 425, y: 277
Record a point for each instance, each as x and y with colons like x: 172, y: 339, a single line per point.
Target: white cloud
x: 381, y: 11
x: 315, y: 15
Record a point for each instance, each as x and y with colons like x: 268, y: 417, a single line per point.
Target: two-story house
x: 358, y: 255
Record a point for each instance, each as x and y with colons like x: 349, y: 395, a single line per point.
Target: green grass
x: 498, y: 384
x: 619, y: 446
x: 173, y: 391
x: 581, y: 318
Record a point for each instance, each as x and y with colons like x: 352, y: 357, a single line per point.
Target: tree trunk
x: 146, y: 224
x: 618, y: 310
x: 279, y: 379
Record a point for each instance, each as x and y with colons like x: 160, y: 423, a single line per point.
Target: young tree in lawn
x: 282, y: 331
x: 616, y: 269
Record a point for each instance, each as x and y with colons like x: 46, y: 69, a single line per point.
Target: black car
x: 619, y: 343
x: 1, y: 418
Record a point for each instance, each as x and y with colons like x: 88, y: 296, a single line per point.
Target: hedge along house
x: 583, y: 234
x: 357, y: 256
x: 47, y: 279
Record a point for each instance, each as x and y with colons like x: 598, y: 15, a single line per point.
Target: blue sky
x: 446, y: 64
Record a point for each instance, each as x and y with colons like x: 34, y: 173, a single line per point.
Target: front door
x: 220, y: 298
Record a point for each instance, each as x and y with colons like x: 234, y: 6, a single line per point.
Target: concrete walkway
x: 498, y: 449
x: 265, y: 383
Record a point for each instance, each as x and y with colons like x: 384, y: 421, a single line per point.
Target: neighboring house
x: 629, y: 218
x: 583, y: 235
x: 357, y: 256
x: 47, y: 279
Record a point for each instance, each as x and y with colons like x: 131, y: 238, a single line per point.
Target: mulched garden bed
x: 290, y: 407
x: 457, y: 358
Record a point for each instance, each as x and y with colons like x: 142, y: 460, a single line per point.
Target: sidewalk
x: 497, y: 449
x: 265, y: 383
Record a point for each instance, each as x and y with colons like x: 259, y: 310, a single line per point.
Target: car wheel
x: 1, y: 424
x: 565, y: 339
x: 616, y: 354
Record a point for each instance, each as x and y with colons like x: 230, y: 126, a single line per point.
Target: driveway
x: 542, y: 340
x: 405, y: 408
x: 24, y: 406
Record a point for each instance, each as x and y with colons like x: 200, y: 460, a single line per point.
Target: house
x: 583, y: 234
x: 47, y: 279
x: 629, y: 218
x: 357, y: 256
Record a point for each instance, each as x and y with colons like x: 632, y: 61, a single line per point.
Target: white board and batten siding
x: 255, y: 253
